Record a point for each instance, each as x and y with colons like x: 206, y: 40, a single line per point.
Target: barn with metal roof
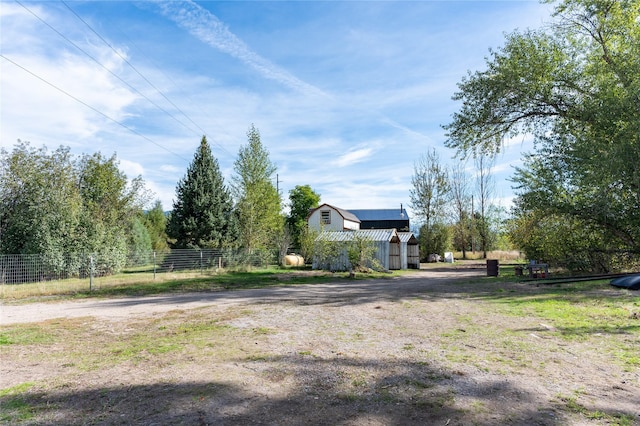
x: 383, y: 218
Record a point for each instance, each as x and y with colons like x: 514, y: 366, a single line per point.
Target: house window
x: 325, y: 217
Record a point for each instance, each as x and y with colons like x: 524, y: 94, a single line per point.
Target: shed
x: 386, y: 241
x: 409, y: 250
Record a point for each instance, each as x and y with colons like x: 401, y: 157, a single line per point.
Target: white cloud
x: 353, y: 157
x: 131, y: 169
x: 43, y: 94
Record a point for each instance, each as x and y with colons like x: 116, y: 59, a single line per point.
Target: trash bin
x: 493, y: 268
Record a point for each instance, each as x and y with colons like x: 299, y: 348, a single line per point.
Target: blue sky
x: 346, y: 95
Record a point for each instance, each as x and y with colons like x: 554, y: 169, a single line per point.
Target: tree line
x: 66, y: 207
x: 456, y: 211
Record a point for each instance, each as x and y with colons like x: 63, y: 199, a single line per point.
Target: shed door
x: 394, y: 256
x: 413, y: 258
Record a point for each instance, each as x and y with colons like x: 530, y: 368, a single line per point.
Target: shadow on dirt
x: 305, y: 390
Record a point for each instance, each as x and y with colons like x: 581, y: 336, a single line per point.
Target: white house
x: 330, y: 218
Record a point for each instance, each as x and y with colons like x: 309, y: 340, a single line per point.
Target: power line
x: 107, y: 69
x: 137, y: 71
x: 91, y: 107
x: 175, y: 85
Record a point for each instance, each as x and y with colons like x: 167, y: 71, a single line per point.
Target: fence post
x: 90, y: 273
x: 200, y: 261
x: 154, y: 265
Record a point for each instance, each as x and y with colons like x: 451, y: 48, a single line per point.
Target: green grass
x: 571, y: 404
x: 25, y: 335
x: 14, y: 404
x: 581, y: 311
x: 141, y: 284
x: 573, y: 310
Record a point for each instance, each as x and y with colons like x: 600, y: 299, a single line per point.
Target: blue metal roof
x: 381, y: 214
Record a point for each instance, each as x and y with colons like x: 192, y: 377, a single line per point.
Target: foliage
x: 435, y: 239
x: 461, y: 208
x: 202, y: 215
x: 155, y: 220
x: 139, y: 242
x: 575, y: 87
x: 485, y: 185
x: 110, y: 206
x: 307, y: 240
x: 567, y: 241
x: 301, y: 200
x: 361, y: 254
x: 257, y: 200
x: 326, y: 253
x: 283, y: 241
x: 430, y: 190
x: 40, y: 203
x: 56, y: 205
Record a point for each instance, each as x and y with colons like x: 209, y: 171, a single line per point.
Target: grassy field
x: 136, y: 283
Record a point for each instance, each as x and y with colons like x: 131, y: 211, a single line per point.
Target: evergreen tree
x: 202, y: 215
x: 258, y: 201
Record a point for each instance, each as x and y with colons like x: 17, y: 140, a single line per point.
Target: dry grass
x: 510, y: 255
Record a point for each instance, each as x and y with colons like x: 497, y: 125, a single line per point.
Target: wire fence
x: 87, y: 271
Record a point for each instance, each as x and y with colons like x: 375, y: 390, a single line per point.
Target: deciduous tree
x: 155, y: 220
x: 575, y: 87
x: 301, y: 200
x: 429, y: 197
x: 257, y: 199
x: 40, y: 202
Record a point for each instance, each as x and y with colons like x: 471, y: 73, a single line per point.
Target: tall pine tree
x: 202, y: 215
x: 258, y: 201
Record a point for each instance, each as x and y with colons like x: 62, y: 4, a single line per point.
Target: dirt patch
x: 430, y: 348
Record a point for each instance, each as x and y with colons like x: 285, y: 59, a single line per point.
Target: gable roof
x: 346, y: 214
x: 381, y: 214
x: 408, y: 237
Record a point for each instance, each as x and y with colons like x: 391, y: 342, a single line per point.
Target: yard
x: 446, y: 346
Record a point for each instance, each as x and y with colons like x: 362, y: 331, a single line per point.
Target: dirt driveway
x: 432, y: 348
x: 346, y: 291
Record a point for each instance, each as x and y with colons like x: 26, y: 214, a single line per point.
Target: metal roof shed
x: 409, y: 250
x: 386, y: 241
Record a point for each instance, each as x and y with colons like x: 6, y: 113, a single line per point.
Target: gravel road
x: 116, y: 309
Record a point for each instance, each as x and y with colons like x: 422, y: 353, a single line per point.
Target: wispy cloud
x: 353, y: 157
x: 209, y: 29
